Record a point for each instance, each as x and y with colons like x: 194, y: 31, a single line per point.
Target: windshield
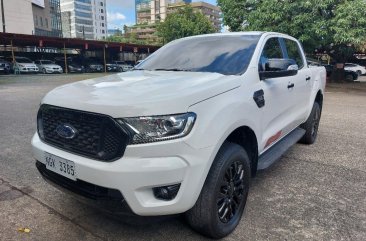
x: 23, y: 60
x: 46, y: 62
x: 228, y: 55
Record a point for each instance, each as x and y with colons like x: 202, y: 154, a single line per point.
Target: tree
x: 337, y: 27
x: 183, y: 23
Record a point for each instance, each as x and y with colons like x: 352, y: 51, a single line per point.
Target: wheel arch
x: 246, y: 138
x: 319, y: 98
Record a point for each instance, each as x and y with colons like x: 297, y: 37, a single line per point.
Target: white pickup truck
x: 186, y: 130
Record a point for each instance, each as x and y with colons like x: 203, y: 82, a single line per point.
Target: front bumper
x: 28, y: 70
x: 51, y: 71
x: 140, y: 169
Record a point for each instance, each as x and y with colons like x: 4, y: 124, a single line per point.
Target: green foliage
x: 335, y: 26
x: 183, y: 23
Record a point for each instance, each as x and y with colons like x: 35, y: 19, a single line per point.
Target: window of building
x: 83, y: 15
x: 103, y: 31
x: 102, y: 24
x: 36, y: 18
x: 101, y: 4
x: 102, y: 17
x: 101, y: 11
x: 46, y: 20
x: 41, y: 20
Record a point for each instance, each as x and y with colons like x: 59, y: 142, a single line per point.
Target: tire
x: 350, y: 78
x: 311, y: 125
x: 44, y: 71
x: 359, y: 73
x: 219, y: 194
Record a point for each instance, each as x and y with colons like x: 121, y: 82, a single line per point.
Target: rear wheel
x: 44, y: 71
x: 311, y: 125
x: 359, y: 73
x: 221, y: 203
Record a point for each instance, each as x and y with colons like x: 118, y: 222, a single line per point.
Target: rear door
x: 302, y: 82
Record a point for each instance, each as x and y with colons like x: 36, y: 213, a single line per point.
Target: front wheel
x: 221, y: 203
x: 311, y: 125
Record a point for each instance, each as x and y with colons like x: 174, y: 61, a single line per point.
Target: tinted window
x: 293, y: 52
x: 228, y: 55
x: 272, y: 50
x: 47, y: 62
x: 23, y: 60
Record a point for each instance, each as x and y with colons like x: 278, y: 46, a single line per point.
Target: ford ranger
x: 186, y: 130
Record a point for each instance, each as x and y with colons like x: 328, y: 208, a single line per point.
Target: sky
x: 122, y: 12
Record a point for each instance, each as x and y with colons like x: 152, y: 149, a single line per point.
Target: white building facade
x: 85, y: 19
x: 100, y: 19
x: 18, y: 16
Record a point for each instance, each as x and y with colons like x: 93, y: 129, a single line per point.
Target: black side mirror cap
x: 276, y: 74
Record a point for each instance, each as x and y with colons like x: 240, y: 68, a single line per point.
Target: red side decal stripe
x: 273, y: 138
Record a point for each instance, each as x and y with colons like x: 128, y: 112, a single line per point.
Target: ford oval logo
x: 66, y: 131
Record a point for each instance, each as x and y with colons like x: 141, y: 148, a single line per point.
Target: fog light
x: 166, y: 193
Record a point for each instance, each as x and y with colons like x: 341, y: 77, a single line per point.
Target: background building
x: 100, y: 19
x: 150, y: 12
x: 86, y: 19
x: 143, y: 11
x: 212, y: 12
x: 37, y: 17
x: 47, y: 18
x: 18, y: 16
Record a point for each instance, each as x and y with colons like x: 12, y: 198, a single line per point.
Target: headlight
x: 159, y: 128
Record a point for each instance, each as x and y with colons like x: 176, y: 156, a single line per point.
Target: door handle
x: 308, y: 78
x: 290, y: 86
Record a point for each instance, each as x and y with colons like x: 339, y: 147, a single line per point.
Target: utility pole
x: 3, y: 15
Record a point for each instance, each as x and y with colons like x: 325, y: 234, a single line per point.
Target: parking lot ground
x: 315, y: 192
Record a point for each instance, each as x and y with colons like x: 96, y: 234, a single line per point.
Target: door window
x: 293, y: 52
x: 272, y: 50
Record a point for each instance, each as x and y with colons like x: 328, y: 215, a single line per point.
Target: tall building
x: 212, y: 12
x: 47, y: 18
x: 151, y: 11
x: 86, y: 19
x: 100, y: 19
x: 143, y: 11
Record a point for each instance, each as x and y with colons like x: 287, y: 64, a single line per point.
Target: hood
x: 30, y: 65
x: 141, y: 93
x: 51, y: 65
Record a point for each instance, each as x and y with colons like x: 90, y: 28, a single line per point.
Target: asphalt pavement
x: 315, y: 192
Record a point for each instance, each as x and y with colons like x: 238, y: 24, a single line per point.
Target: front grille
x: 97, y: 136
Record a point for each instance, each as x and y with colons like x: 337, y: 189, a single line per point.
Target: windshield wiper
x: 174, y: 69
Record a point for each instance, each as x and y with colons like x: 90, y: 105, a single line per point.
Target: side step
x: 277, y: 150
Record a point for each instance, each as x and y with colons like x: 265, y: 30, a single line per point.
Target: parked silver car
x: 48, y: 67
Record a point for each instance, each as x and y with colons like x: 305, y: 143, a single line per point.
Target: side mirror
x: 276, y: 68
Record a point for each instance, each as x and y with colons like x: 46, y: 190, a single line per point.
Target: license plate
x: 60, y: 165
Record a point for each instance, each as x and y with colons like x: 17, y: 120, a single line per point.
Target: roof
x: 23, y: 40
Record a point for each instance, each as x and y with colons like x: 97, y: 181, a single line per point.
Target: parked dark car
x: 112, y: 67
x: 92, y: 67
x: 349, y: 74
x: 73, y: 66
x: 4, y: 67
